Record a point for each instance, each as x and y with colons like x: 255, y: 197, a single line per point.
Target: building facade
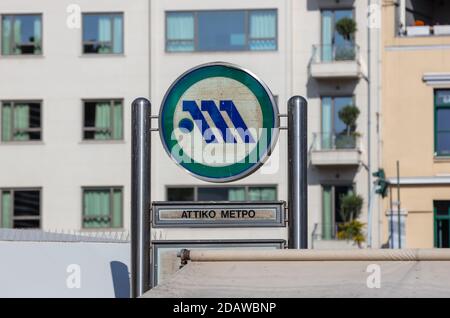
x: 73, y: 162
x: 415, y: 122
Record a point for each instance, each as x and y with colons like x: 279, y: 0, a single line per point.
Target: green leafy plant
x: 351, y: 229
x: 351, y: 205
x: 349, y: 115
x: 347, y: 28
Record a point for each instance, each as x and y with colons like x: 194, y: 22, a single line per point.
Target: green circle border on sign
x: 269, y: 110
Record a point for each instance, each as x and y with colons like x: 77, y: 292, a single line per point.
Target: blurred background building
x: 71, y: 70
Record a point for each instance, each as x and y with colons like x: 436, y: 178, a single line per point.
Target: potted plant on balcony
x: 351, y: 229
x: 347, y: 28
x: 348, y: 115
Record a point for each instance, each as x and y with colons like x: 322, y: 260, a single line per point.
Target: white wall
x: 43, y: 269
x: 61, y: 163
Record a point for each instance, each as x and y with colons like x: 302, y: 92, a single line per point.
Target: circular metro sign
x: 219, y: 122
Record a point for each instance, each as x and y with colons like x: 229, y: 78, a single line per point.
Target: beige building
x: 415, y: 120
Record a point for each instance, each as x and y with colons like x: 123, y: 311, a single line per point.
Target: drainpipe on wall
x: 369, y: 126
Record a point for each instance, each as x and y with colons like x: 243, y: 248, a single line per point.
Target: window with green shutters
x: 102, y: 207
x: 20, y: 121
x: 442, y: 122
x: 20, y: 208
x: 103, y: 120
x: 21, y: 34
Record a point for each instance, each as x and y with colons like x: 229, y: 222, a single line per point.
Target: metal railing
x: 331, y: 141
x: 323, y: 53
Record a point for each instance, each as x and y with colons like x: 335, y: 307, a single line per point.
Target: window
x: 442, y: 224
x: 22, y: 34
x: 334, y: 46
x: 237, y: 193
x: 103, y: 33
x: 21, y: 121
x: 334, y: 133
x: 442, y: 122
x: 103, y: 120
x: 236, y: 30
x: 331, y: 208
x: 102, y: 207
x: 20, y: 208
x: 423, y: 17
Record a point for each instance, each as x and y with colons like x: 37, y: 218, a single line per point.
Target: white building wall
x: 62, y: 163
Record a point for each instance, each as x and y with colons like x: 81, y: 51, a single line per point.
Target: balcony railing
x: 335, y: 53
x: 329, y: 141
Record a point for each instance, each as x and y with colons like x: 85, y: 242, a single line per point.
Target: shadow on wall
x: 121, y: 279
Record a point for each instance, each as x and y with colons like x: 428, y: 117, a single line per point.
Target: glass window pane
x: 35, y: 115
x: 180, y: 32
x: 262, y: 194
x: 102, y: 33
x: 6, y: 35
x: 443, y: 119
x: 213, y: 194
x: 221, y: 31
x: 118, y: 34
x: 263, y: 30
x: 22, y: 34
x: 443, y: 235
x: 97, y: 208
x: 327, y: 213
x: 443, y: 143
x: 339, y: 103
x: 5, y: 209
x: 26, y: 203
x: 118, y: 120
x: 442, y: 208
x: 26, y: 224
x: 117, y: 212
x: 6, y: 122
x: 89, y: 114
x: 443, y: 97
x: 180, y: 194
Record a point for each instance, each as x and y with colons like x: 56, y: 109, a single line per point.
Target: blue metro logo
x: 210, y: 107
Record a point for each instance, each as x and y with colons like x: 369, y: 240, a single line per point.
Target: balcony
x: 335, y: 150
x: 335, y: 61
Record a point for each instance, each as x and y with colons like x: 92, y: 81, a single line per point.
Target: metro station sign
x: 219, y: 122
x: 212, y: 214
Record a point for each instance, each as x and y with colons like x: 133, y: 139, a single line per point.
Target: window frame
x: 110, y: 13
x: 13, y: 217
x: 246, y: 187
x: 111, y: 118
x: 437, y: 106
x: 195, y: 40
x: 13, y: 129
x: 40, y: 14
x: 111, y: 202
x: 436, y: 219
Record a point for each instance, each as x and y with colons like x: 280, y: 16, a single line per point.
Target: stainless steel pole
x: 297, y: 173
x: 140, y: 197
